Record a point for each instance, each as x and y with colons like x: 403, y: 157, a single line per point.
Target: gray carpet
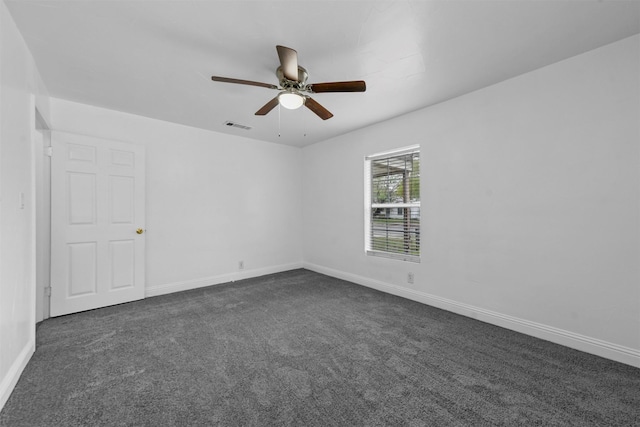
x: 299, y: 348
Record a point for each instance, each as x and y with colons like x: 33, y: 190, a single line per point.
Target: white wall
x: 530, y: 203
x: 21, y: 91
x: 212, y: 199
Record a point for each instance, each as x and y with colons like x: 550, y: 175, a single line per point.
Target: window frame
x: 369, y: 205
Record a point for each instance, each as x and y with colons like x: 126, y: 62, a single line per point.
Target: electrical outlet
x: 240, y: 265
x: 409, y: 277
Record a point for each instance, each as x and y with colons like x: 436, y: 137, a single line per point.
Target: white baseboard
x: 169, y: 288
x: 13, y: 375
x: 573, y: 340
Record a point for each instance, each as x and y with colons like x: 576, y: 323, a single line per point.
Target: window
x: 392, y: 204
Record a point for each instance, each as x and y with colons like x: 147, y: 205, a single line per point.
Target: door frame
x: 41, y: 222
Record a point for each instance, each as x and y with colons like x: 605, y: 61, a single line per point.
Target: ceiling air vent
x: 237, y: 125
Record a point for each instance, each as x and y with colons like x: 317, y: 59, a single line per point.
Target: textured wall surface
x: 212, y: 199
x: 21, y: 92
x: 530, y: 202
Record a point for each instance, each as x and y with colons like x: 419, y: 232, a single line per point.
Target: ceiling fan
x: 294, y: 87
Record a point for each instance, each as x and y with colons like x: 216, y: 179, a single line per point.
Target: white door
x: 97, y: 223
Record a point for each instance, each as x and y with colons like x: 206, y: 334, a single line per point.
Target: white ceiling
x: 156, y: 58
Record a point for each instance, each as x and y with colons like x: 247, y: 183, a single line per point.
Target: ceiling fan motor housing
x: 290, y: 84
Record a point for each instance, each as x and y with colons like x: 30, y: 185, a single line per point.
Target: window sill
x: 399, y: 257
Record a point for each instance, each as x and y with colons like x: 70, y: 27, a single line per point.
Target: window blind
x: 393, y: 204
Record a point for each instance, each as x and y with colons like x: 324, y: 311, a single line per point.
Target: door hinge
x: 47, y: 291
x: 48, y: 151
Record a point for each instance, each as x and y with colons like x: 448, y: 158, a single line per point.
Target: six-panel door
x: 97, y: 204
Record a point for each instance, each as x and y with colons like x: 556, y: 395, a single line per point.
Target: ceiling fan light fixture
x: 290, y: 100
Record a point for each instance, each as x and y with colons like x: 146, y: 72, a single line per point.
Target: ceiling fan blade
x: 267, y: 107
x: 352, y: 86
x: 242, y: 82
x: 289, y: 61
x: 314, y: 106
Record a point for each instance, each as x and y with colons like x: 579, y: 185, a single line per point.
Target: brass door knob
x: 139, y: 231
